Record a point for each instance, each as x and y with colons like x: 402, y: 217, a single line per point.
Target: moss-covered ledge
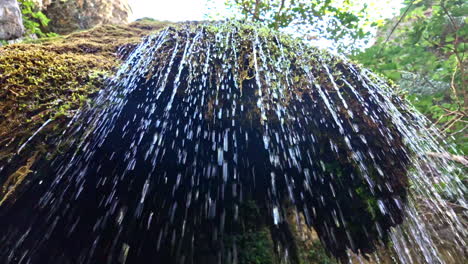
x: 44, y: 82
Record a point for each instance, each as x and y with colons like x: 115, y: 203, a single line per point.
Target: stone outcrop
x: 72, y: 15
x: 11, y: 22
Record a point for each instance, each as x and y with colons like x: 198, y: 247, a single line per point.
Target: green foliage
x: 256, y: 247
x: 253, y: 242
x: 317, y: 254
x: 332, y: 20
x: 423, y: 51
x: 445, y: 189
x: 34, y: 20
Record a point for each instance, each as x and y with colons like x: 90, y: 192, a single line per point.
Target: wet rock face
x: 11, y: 24
x: 68, y: 16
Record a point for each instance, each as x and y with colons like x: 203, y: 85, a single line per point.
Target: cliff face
x: 11, y: 24
x: 71, y: 15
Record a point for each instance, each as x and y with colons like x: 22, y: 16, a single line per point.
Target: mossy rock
x: 50, y: 79
x: 256, y: 243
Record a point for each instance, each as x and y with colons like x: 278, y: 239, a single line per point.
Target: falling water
x: 202, y: 118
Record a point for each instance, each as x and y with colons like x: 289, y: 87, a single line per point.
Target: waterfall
x: 201, y: 118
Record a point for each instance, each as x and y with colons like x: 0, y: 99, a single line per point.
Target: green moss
x: 252, y: 237
x: 256, y: 247
x: 38, y: 83
x: 317, y: 254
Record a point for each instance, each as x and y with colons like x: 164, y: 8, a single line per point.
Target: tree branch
x: 457, y: 55
x: 449, y: 156
x: 396, y: 25
x: 281, y: 8
x: 257, y: 10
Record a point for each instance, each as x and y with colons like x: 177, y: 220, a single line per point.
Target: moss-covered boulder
x: 46, y: 81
